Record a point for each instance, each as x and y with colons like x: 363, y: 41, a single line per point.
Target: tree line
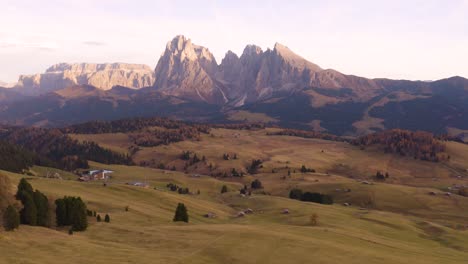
x: 156, y: 137
x: 52, y: 148
x: 420, y: 145
x: 314, y: 197
x: 36, y: 210
x: 132, y: 124
x: 305, y: 134
x: 15, y: 158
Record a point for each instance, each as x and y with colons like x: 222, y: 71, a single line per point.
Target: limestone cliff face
x: 102, y: 76
x: 191, y: 72
x: 187, y: 70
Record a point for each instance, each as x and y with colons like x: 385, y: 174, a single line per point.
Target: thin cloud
x: 94, y: 43
x: 40, y: 45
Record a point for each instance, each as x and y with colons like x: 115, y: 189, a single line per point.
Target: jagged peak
x: 92, y: 67
x: 252, y: 50
x: 230, y: 55
x: 178, y: 43
x: 288, y: 55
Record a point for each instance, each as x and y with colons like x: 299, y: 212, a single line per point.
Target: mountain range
x: 275, y: 85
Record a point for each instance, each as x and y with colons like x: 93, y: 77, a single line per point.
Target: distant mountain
x: 9, y: 95
x: 191, y: 72
x: 7, y: 85
x: 102, y: 76
x: 275, y: 85
x: 77, y: 104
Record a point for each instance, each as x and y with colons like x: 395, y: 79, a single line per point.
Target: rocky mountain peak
x: 187, y: 70
x: 252, y: 50
x: 103, y: 76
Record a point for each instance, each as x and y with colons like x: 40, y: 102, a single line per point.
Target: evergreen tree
x: 78, y: 214
x: 61, y: 212
x: 234, y: 172
x: 23, y: 188
x: 98, y: 218
x: 256, y: 184
x: 107, y: 218
x: 295, y: 194
x: 29, y: 212
x: 71, y: 211
x: 11, y: 218
x: 181, y: 213
x: 42, y: 206
x: 224, y: 189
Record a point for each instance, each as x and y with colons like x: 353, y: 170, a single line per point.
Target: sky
x: 411, y: 39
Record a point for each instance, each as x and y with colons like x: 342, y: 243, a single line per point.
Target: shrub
x: 295, y: 194
x: 304, y: 169
x: 314, y: 219
x: 256, y: 184
x: 310, y: 196
x: 254, y: 166
x: 224, y: 189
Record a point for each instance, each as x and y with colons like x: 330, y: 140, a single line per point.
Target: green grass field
x: 396, y: 221
x: 146, y: 233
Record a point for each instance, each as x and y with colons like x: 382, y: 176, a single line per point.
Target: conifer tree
x: 181, y: 213
x: 42, y: 206
x: 24, y: 187
x: 98, y: 218
x: 224, y: 189
x: 107, y: 218
x: 28, y: 214
x: 11, y: 218
x: 60, y: 212
x: 78, y: 215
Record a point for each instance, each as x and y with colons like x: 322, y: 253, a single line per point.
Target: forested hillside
x: 54, y: 149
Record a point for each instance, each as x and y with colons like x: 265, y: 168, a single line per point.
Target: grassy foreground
x: 146, y: 233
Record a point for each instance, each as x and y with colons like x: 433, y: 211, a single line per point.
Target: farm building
x: 95, y: 175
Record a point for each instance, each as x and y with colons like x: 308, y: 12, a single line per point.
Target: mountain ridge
x: 276, y: 85
x: 101, y: 75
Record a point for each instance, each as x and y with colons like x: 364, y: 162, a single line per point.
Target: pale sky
x: 412, y: 39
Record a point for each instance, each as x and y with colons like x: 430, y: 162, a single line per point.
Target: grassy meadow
x: 396, y: 221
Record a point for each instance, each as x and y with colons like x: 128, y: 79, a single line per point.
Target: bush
x: 304, y: 169
x: 314, y: 219
x: 224, y: 189
x: 295, y: 194
x: 181, y: 213
x: 254, y: 166
x: 310, y: 196
x: 11, y: 218
x: 256, y: 184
